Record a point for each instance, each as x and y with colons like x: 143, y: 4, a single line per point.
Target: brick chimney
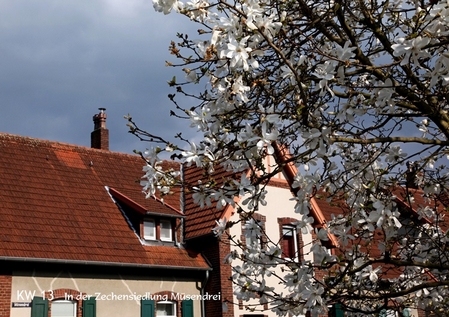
x: 99, y: 138
x: 412, y: 171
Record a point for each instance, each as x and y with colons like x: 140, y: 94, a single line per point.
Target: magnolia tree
x: 354, y: 90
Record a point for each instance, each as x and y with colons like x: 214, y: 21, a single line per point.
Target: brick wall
x: 225, y: 276
x: 66, y: 294
x: 5, y: 294
x: 219, y: 279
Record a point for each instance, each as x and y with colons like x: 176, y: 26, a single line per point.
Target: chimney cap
x: 100, y: 119
x: 100, y: 135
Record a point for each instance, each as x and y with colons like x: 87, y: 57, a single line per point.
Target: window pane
x: 287, y: 231
x: 166, y: 234
x: 254, y: 239
x: 62, y: 308
x: 149, y: 230
x: 289, y: 242
x: 165, y: 309
x: 288, y: 247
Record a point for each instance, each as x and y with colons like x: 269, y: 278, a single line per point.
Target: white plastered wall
x: 110, y: 289
x: 279, y: 205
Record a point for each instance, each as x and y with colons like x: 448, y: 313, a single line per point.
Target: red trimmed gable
x: 153, y: 204
x: 200, y: 221
x: 55, y: 206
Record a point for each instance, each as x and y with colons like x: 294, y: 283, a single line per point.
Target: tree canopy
x: 357, y: 91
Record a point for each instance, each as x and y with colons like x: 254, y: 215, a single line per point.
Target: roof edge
x: 126, y: 200
x: 415, y: 213
x: 100, y: 263
x: 138, y: 207
x: 59, y: 144
x: 283, y: 156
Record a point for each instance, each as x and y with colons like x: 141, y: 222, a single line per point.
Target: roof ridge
x: 58, y: 145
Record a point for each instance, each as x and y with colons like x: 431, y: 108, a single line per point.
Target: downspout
x: 177, y: 243
x: 182, y: 203
x: 202, y: 287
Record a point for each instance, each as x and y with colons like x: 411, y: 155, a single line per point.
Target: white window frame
x: 149, y: 233
x: 170, y: 238
x: 58, y: 301
x: 165, y: 303
x: 257, y: 241
x: 292, y: 229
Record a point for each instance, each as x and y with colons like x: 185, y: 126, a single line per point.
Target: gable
x: 201, y: 221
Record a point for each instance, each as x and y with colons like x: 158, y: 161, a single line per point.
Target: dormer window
x: 149, y: 229
x: 158, y: 229
x: 156, y: 224
x: 166, y: 230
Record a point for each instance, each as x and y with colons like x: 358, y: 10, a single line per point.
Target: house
x: 277, y: 219
x: 77, y: 237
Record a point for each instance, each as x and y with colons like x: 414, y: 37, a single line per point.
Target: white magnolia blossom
x: 166, y: 6
x: 411, y: 49
x: 220, y: 228
x: 353, y: 90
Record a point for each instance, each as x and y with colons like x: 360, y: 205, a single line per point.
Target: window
x: 149, y: 229
x: 63, y: 305
x: 290, y: 243
x: 166, y: 308
x: 155, y: 229
x: 253, y: 239
x: 63, y: 308
x: 258, y: 240
x: 166, y: 234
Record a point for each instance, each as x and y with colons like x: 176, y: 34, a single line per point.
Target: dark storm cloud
x: 62, y: 60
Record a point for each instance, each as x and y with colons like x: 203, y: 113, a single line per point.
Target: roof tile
x: 55, y: 205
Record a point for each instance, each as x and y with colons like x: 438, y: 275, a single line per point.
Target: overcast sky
x: 61, y: 60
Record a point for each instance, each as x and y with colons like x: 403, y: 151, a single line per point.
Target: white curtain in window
x: 166, y: 234
x: 165, y: 309
x: 63, y: 308
x: 149, y: 230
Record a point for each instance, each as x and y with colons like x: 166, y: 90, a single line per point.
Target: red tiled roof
x: 201, y: 221
x: 54, y: 206
x: 402, y: 198
x: 328, y: 208
x: 419, y: 201
x: 407, y: 206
